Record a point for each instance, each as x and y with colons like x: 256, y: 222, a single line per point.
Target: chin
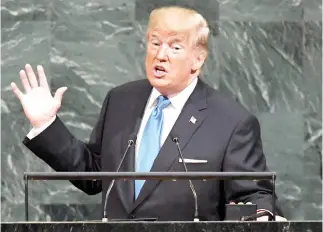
x: 161, y: 84
x: 155, y: 81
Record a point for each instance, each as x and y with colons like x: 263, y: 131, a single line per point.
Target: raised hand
x: 39, y: 105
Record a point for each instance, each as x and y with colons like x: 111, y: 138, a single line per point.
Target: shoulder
x: 229, y: 117
x: 128, y: 93
x: 128, y: 90
x: 131, y: 87
x: 226, y: 108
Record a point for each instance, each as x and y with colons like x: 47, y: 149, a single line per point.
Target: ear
x: 199, y: 59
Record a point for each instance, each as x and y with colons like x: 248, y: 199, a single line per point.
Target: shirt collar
x: 177, y: 100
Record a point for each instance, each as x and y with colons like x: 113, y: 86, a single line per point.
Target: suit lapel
x: 184, y: 129
x: 125, y: 188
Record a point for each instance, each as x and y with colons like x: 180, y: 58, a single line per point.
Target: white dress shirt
x: 36, y: 131
x: 171, y: 112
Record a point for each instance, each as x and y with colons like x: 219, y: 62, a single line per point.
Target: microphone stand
x: 196, y: 215
x: 105, y: 218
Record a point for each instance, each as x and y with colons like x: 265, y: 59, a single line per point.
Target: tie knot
x: 162, y: 103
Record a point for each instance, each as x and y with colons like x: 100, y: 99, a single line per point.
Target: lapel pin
x: 193, y: 120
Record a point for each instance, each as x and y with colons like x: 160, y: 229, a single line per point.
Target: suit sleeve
x: 245, y: 154
x: 64, y: 153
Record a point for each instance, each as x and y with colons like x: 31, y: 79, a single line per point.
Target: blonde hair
x: 191, y: 16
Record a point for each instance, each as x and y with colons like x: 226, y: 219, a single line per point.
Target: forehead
x: 168, y: 34
x: 175, y: 31
x: 171, y: 23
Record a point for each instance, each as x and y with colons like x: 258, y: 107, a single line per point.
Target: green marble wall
x: 264, y: 53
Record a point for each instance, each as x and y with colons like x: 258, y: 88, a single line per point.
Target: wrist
x: 43, y: 124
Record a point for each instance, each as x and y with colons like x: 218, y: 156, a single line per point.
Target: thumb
x: 59, y: 94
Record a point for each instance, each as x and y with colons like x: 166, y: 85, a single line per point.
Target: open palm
x: 39, y: 105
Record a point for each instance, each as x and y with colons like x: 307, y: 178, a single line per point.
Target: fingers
x: 59, y: 94
x: 24, y: 81
x: 266, y: 218
x: 280, y: 219
x: 16, y: 91
x: 31, y: 76
x: 29, y: 79
x: 42, y: 77
x: 263, y: 219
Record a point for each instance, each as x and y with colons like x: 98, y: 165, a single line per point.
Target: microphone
x: 131, y: 142
x: 196, y: 215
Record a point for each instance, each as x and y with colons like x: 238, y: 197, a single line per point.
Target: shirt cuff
x: 36, y: 131
x: 262, y: 210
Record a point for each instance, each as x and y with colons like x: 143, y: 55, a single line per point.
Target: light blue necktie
x: 150, y: 141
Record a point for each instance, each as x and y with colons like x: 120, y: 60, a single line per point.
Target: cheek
x: 150, y: 55
x: 182, y: 66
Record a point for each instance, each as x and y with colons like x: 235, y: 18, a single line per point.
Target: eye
x: 155, y: 43
x: 176, y: 47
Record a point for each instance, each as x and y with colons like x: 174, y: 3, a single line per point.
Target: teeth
x: 160, y: 69
x: 159, y: 73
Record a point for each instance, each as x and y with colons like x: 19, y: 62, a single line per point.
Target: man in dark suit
x: 215, y: 133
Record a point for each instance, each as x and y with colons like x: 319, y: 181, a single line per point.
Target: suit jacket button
x: 132, y: 216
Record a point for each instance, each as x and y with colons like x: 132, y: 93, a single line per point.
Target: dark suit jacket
x: 225, y: 134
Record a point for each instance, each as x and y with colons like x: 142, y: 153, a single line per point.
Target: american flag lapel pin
x: 193, y: 120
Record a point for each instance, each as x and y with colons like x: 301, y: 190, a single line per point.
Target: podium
x: 154, y: 226
x: 287, y: 226
x: 238, y: 212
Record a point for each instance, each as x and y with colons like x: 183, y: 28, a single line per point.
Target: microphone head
x: 175, y: 139
x: 132, y: 139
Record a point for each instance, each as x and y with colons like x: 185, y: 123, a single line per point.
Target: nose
x: 162, y: 53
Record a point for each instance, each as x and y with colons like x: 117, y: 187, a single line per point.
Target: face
x: 171, y: 58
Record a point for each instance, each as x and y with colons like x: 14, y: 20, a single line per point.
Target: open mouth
x: 159, y: 71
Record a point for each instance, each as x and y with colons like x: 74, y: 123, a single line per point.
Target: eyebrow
x: 154, y: 36
x: 176, y: 38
